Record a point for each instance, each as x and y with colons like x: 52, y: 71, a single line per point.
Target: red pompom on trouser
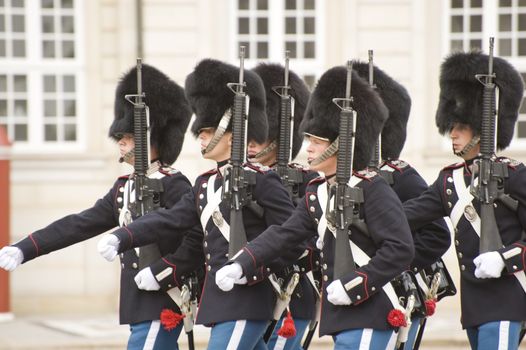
x: 431, y: 305
x: 287, y: 330
x: 170, y: 319
x: 396, y: 318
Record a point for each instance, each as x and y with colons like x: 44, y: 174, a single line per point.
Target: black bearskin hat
x: 322, y: 117
x: 273, y: 75
x: 169, y: 111
x: 461, y: 94
x: 209, y: 97
x: 397, y: 101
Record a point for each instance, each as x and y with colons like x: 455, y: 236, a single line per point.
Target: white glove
x: 337, y: 295
x: 229, y: 275
x: 10, y: 258
x: 488, y: 265
x: 108, y: 247
x: 146, y: 281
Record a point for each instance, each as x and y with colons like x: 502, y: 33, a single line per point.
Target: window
x: 470, y: 23
x: 41, y: 74
x: 269, y: 27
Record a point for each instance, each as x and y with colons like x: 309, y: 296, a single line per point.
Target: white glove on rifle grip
x: 10, y: 258
x: 108, y: 247
x: 337, y: 295
x: 146, y: 281
x: 489, y: 265
x: 229, y: 275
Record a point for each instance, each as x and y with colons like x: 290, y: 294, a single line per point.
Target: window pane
x: 50, y: 83
x: 47, y: 4
x: 456, y: 45
x: 20, y: 83
x: 2, y: 48
x: 290, y: 25
x: 68, y: 49
x: 20, y: 108
x: 48, y: 49
x: 263, y: 25
x: 262, y: 49
x: 50, y: 108
x: 476, y: 3
x: 522, y: 47
x: 243, y: 4
x: 291, y: 46
x: 309, y: 80
x: 244, y: 26
x: 1, y: 2
x: 48, y: 24
x: 68, y: 83
x: 70, y: 108
x: 522, y: 110
x: 309, y: 5
x: 309, y: 25
x: 17, y: 3
x: 475, y: 44
x: 18, y: 23
x: 3, y: 108
x: 67, y: 4
x: 504, y: 23
x: 457, y: 24
x: 522, y: 22
x: 262, y: 4
x: 457, y: 4
x: 50, y: 132
x: 504, y: 3
x: 20, y: 132
x: 505, y: 47
x: 290, y: 4
x: 475, y: 24
x: 70, y: 133
x: 68, y: 25
x: 521, y: 129
x: 2, y: 23
x: 3, y: 83
x: 522, y: 2
x: 19, y: 48
x: 309, y: 49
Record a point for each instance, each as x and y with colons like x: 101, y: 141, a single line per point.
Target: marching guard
x: 169, y: 115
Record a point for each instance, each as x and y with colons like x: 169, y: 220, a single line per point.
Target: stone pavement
x: 75, y: 332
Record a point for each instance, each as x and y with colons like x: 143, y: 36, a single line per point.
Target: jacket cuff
x: 251, y: 270
x: 125, y: 237
x: 29, y: 248
x: 514, y: 257
x: 165, y: 274
x: 356, y: 286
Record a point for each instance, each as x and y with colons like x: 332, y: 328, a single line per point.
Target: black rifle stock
x: 345, y: 197
x: 147, y: 191
x: 291, y: 177
x: 490, y: 184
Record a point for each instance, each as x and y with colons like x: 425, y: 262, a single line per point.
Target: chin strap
x: 220, y: 131
x: 467, y: 148
x: 329, y: 152
x: 266, y: 150
x: 126, y: 158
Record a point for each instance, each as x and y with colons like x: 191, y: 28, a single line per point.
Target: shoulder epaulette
x: 257, y: 167
x: 124, y: 177
x: 209, y: 172
x: 454, y: 166
x: 365, y: 174
x: 299, y: 166
x: 512, y: 163
x: 319, y: 179
x: 397, y: 164
x: 169, y: 171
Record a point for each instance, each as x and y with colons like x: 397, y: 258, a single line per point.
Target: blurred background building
x: 60, y: 61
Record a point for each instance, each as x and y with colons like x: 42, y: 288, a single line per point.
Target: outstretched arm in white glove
x: 108, y: 247
x: 10, y: 258
x: 146, y: 281
x: 337, y: 295
x: 229, y: 275
x: 488, y: 265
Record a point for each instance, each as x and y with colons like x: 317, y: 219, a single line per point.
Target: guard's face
x: 461, y: 135
x: 126, y: 144
x: 315, y: 149
x: 221, y: 151
x: 254, y: 148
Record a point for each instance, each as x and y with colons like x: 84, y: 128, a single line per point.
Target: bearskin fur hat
x: 322, y: 117
x: 461, y: 94
x: 397, y: 101
x: 169, y: 111
x: 208, y: 95
x: 273, y: 75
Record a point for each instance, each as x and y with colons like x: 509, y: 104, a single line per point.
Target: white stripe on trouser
x: 235, y: 339
x: 504, y: 332
x: 152, y: 335
x: 392, y: 341
x: 280, y: 343
x: 365, y: 341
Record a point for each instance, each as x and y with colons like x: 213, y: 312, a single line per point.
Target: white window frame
x: 34, y: 66
x: 490, y: 12
x: 277, y: 37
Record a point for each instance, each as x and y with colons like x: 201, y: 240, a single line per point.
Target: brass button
x: 448, y: 191
x: 209, y: 268
x: 358, y: 297
x: 457, y: 243
x: 460, y: 255
x: 134, y: 265
x: 373, y: 289
x: 208, y: 256
x: 324, y: 266
x: 449, y: 205
x: 325, y: 278
x: 122, y: 265
x: 204, y: 185
x: 449, y: 179
x: 515, y: 267
x: 201, y: 196
x: 121, y: 189
x: 169, y: 286
x: 312, y: 197
x: 463, y: 267
x: 254, y: 278
x: 312, y: 209
x: 119, y: 199
x: 205, y: 244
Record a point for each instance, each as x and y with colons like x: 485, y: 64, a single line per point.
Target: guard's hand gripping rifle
x: 346, y: 198
x: 489, y: 186
x: 237, y: 180
x: 290, y: 176
x: 147, y: 191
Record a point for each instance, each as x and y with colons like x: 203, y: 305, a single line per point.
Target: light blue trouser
x: 150, y: 335
x: 279, y: 343
x: 498, y: 335
x: 365, y: 339
x: 238, y: 335
x: 411, y: 337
